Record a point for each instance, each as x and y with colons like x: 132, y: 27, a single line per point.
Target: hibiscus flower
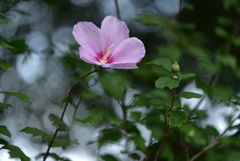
x: 110, y: 46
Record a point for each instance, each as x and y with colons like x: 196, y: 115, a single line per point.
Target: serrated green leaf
x: 109, y: 136
x: 135, y: 156
x: 2, y: 21
x: 109, y: 157
x: 4, y: 131
x: 164, y: 62
x: 139, y: 142
x: 163, y: 82
x: 61, y: 142
x: 4, y: 105
x: 189, y: 95
x: 37, y: 132
x: 177, y: 118
x: 16, y: 152
x: 20, y: 96
x: 55, y: 121
x: 5, y: 66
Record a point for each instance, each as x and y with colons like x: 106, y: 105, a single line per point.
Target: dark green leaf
x: 54, y: 156
x: 109, y: 136
x: 14, y: 45
x: 177, y: 118
x: 4, y: 131
x: 184, y: 76
x: 16, y: 152
x: 164, y: 62
x: 36, y: 132
x: 151, y: 19
x: 20, y: 96
x: 3, y: 142
x: 5, y: 66
x: 139, y: 141
x: 55, y: 121
x: 4, y: 105
x: 163, y: 82
x: 135, y: 156
x: 227, y: 60
x: 61, y: 142
x: 2, y: 21
x: 224, y: 93
x: 219, y: 31
x: 108, y: 157
x: 64, y: 100
x: 189, y: 95
x: 90, y: 95
x: 225, y: 21
x: 136, y: 116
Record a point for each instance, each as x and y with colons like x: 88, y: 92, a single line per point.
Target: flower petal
x: 88, y: 36
x: 130, y: 50
x: 114, y: 32
x: 120, y: 66
x: 88, y: 57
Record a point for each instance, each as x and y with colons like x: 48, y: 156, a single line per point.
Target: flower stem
x: 65, y: 107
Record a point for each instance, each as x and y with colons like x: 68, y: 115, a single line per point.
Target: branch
x: 166, y: 127
x: 214, y: 141
x: 65, y: 107
x: 117, y: 10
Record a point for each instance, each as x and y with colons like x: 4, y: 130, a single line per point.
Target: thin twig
x: 117, y: 10
x: 65, y: 107
x: 166, y: 127
x: 215, y: 140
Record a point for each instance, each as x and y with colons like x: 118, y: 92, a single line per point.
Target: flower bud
x: 175, y: 67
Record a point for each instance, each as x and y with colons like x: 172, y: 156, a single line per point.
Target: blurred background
x: 203, y: 36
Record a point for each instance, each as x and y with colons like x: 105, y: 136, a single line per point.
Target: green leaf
x: 108, y: 157
x: 14, y: 45
x: 16, y: 152
x: 37, y: 132
x: 55, y: 121
x: 90, y: 95
x: 177, y: 118
x: 109, y: 135
x: 135, y: 156
x: 20, y: 96
x: 227, y: 60
x: 5, y: 66
x: 4, y: 131
x: 189, y: 95
x: 2, y: 21
x: 221, y: 32
x: 3, y: 142
x: 223, y: 92
x: 139, y: 141
x: 198, y: 52
x: 171, y: 52
x: 184, y: 76
x: 4, y: 105
x: 159, y: 104
x: 163, y: 82
x: 61, y: 142
x: 151, y: 19
x: 54, y: 156
x: 164, y: 62
x: 136, y: 116
x: 64, y: 100
x: 225, y: 21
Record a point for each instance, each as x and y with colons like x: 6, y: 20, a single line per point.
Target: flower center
x: 106, y: 55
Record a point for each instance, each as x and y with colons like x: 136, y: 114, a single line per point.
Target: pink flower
x: 110, y: 46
